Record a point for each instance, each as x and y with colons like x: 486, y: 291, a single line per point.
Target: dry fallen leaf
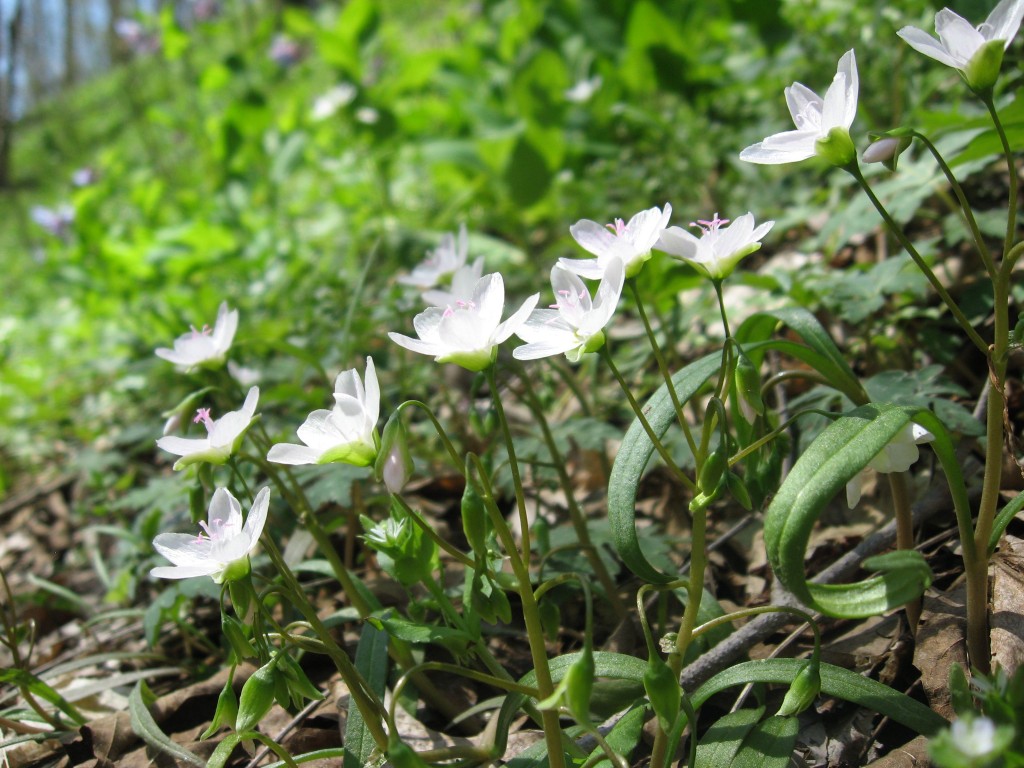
x: 1007, y: 623
x: 940, y: 644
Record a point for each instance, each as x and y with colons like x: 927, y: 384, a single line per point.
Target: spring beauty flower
x: 467, y: 333
x: 440, y: 263
x: 975, y: 52
x: 206, y: 347
x: 719, y: 248
x: 897, y: 456
x: 630, y: 243
x: 347, y: 433
x: 222, y: 550
x: 223, y: 435
x: 56, y: 221
x: 822, y: 125
x: 574, y: 324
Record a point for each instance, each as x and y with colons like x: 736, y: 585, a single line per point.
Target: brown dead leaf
x: 941, y: 643
x: 1007, y: 625
x: 911, y: 754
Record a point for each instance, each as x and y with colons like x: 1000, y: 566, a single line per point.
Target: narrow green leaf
x: 1003, y: 519
x: 372, y: 663
x: 835, y: 681
x: 831, y: 362
x: 769, y: 745
x: 632, y: 458
x: 145, y: 728
x: 839, y: 453
x: 723, y: 740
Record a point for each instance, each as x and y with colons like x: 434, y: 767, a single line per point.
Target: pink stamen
x: 203, y: 417
x: 709, y: 226
x: 618, y: 227
x: 206, y: 330
x: 448, y: 311
x: 465, y: 304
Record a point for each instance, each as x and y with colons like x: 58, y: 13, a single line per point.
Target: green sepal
x: 803, y: 690
x: 663, y: 691
x: 983, y: 68
x: 257, y: 697
x: 836, y: 148
x: 226, y: 713
x: 475, y: 522
x: 300, y: 689
x: 238, y: 641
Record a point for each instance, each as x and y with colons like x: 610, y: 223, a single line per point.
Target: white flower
x: 328, y: 103
x: 719, y: 248
x: 574, y: 323
x: 467, y: 333
x: 629, y: 243
x: 222, y: 549
x: 583, y: 90
x: 223, y: 437
x: 974, y: 736
x: 346, y: 433
x: 440, y: 263
x: 897, y: 456
x: 819, y: 123
x: 206, y: 347
x: 960, y: 44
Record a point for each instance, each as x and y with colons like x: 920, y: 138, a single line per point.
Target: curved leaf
x: 833, y: 365
x: 145, y: 727
x: 836, y: 456
x: 632, y: 458
x: 835, y: 681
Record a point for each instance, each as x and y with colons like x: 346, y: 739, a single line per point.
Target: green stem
x: 854, y: 170
x: 695, y: 585
x: 904, y: 534
x: 642, y: 418
x: 531, y: 614
x: 362, y: 694
x: 432, y: 534
x: 449, y: 447
x: 579, y: 521
x: 1011, y: 167
x: 662, y: 366
x: 972, y: 224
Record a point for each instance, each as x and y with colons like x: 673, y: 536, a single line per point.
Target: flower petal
x: 924, y: 43
x: 1004, y: 21
x: 289, y: 453
x: 257, y: 517
x: 593, y: 237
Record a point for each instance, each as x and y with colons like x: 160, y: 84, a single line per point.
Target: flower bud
x: 802, y: 691
x: 748, y: 388
x: 663, y: 691
x: 712, y: 471
x: 886, y: 150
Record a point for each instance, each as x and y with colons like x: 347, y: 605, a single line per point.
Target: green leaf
x: 145, y: 728
x: 828, y: 360
x: 372, y: 663
x: 632, y: 458
x: 1003, y: 519
x: 454, y: 640
x: 723, y: 740
x: 527, y: 174
x: 769, y: 745
x: 623, y: 737
x: 839, y: 453
x: 22, y: 678
x: 835, y: 681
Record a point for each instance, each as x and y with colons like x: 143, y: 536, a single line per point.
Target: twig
x: 727, y: 651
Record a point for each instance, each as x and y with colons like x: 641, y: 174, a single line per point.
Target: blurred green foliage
x: 217, y: 179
